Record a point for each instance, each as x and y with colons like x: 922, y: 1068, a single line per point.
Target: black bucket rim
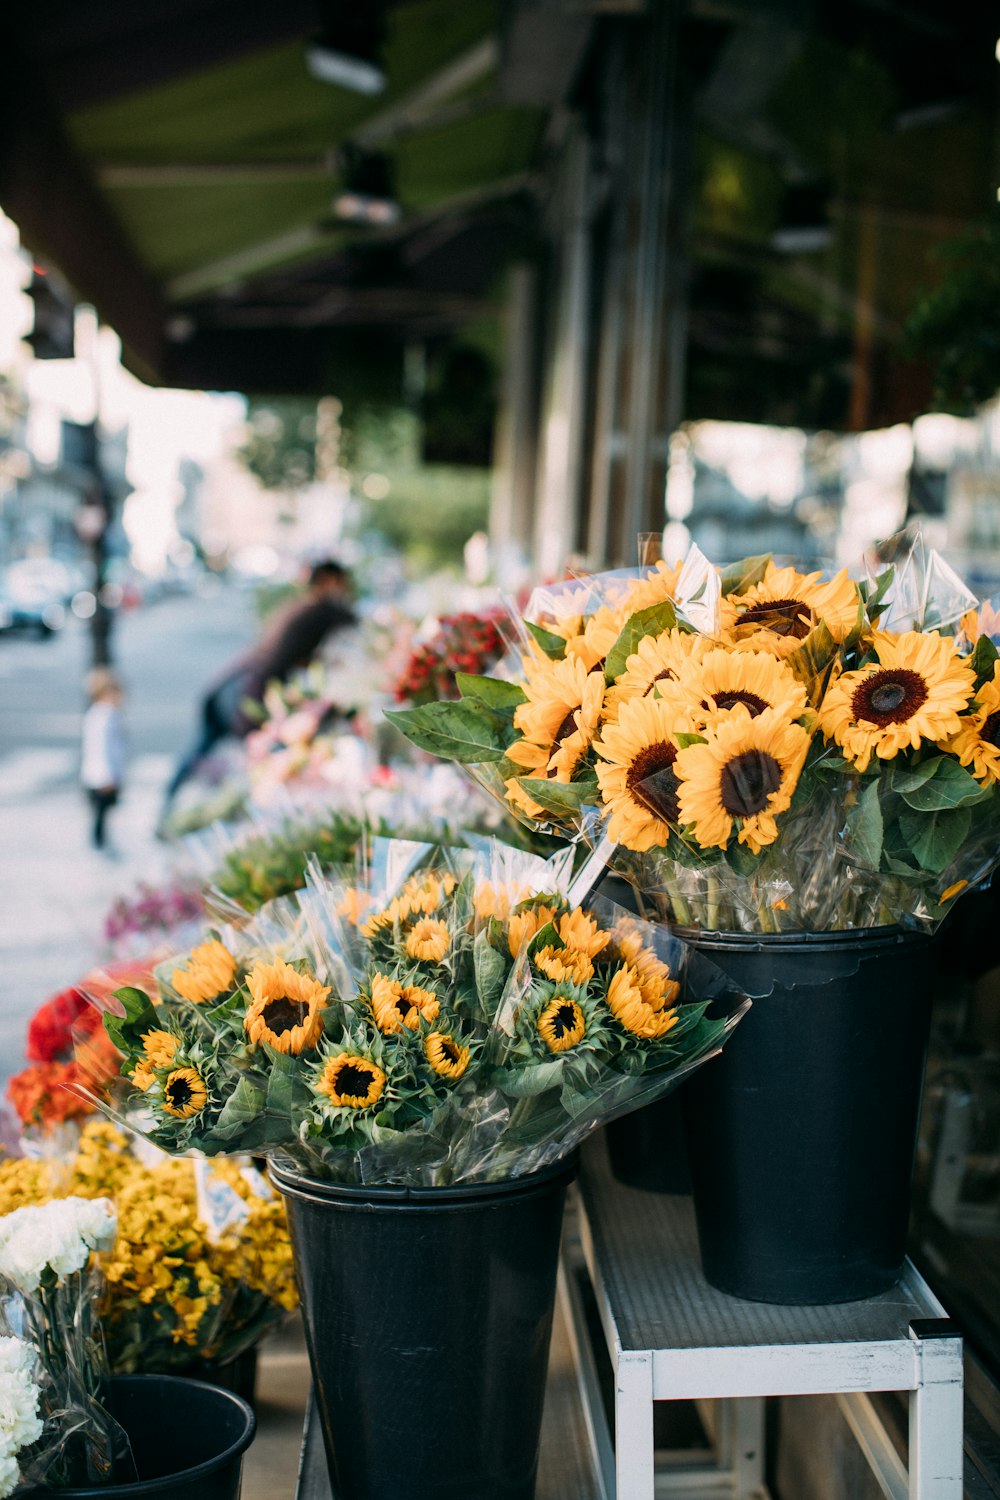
x: 139, y: 1487
x: 292, y: 1183
x: 802, y: 941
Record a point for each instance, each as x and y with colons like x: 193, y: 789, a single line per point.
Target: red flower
x: 50, y: 1030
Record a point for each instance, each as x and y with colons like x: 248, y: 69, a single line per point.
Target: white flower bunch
x: 58, y: 1235
x: 20, y: 1423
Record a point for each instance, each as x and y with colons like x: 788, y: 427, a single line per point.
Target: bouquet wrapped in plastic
x: 756, y: 748
x: 444, y: 1018
x: 202, y: 1263
x: 20, y: 1397
x: 52, y: 1290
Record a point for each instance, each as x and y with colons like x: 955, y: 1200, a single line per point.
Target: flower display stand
x: 670, y: 1336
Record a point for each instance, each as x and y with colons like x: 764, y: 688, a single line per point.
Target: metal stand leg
x: 634, y: 1453
x: 936, y: 1413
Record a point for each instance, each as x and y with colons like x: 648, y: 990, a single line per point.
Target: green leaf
x: 874, y: 600
x: 683, y: 740
x: 834, y: 765
x: 563, y: 799
x: 652, y: 621
x: 864, y: 828
x: 455, y: 731
x: 948, y: 786
x: 140, y: 1016
x: 742, y: 575
x: 243, y: 1108
x: 553, y: 645
x: 489, y: 690
x: 741, y: 860
x: 983, y: 660
x: 935, y: 838
x: 903, y: 777
x: 810, y: 660
x: 491, y: 970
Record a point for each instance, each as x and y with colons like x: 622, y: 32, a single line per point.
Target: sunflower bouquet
x: 241, y: 867
x: 445, y: 1018
x: 755, y: 747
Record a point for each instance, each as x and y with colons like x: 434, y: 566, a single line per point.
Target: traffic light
x: 51, y: 335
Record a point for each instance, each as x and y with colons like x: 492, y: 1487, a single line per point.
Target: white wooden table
x: 670, y: 1336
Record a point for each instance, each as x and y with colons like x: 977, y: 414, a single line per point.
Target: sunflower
x: 353, y: 904
x: 561, y: 1024
x: 977, y: 743
x: 490, y: 900
x: 564, y: 965
x: 916, y: 690
x: 184, y: 1093
x: 724, y: 680
x: 287, y: 1009
x: 598, y: 633
x: 631, y: 1009
x: 350, y: 1081
x: 524, y: 924
x: 581, y: 932
x: 656, y: 659
x: 445, y: 1056
x: 428, y: 940
x: 560, y: 718
x: 209, y: 973
x: 657, y: 587
x: 744, y: 774
x: 652, y: 975
x: 636, y: 773
x: 776, y: 614
x: 395, y: 1005
x: 158, y: 1049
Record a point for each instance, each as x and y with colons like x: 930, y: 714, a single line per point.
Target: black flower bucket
x: 802, y: 1134
x: 428, y: 1315
x: 187, y: 1439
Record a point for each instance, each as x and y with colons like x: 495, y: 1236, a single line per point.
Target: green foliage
x: 279, y: 449
x: 456, y: 731
x: 653, y: 621
x: 957, y: 325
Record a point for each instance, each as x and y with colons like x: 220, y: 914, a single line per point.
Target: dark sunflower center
x: 563, y: 1020
x: 566, y: 728
x: 659, y: 678
x: 449, y: 1051
x: 283, y: 1015
x: 749, y: 700
x: 403, y: 1006
x: 783, y: 616
x: 352, y: 1082
x: 990, y: 731
x: 652, y: 782
x: 748, y: 783
x: 179, y: 1092
x: 889, y: 696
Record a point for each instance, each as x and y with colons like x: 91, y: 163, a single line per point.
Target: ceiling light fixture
x: 348, y: 50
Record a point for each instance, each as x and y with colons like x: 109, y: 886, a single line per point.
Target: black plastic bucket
x: 648, y: 1148
x: 188, y: 1441
x: 428, y: 1314
x: 802, y: 1133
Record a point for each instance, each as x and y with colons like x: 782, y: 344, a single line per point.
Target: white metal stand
x: 671, y: 1336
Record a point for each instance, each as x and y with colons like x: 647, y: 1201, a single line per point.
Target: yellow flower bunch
x: 173, y: 1295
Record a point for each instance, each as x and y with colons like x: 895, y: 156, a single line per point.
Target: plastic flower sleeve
x: 924, y: 592
x: 386, y: 1056
x: 53, y: 1288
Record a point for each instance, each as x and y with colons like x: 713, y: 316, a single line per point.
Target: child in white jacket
x: 102, y: 768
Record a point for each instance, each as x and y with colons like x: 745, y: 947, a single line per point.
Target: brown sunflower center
x: 566, y: 728
x: 749, y: 700
x: 748, y: 782
x: 660, y: 676
x: 449, y: 1049
x: 889, y: 696
x: 179, y: 1092
x: 283, y: 1015
x: 651, y: 780
x: 783, y: 616
x: 990, y: 731
x: 352, y: 1082
x: 563, y: 1019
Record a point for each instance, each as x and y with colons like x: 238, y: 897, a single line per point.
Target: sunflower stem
x: 681, y: 910
x: 712, y: 913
